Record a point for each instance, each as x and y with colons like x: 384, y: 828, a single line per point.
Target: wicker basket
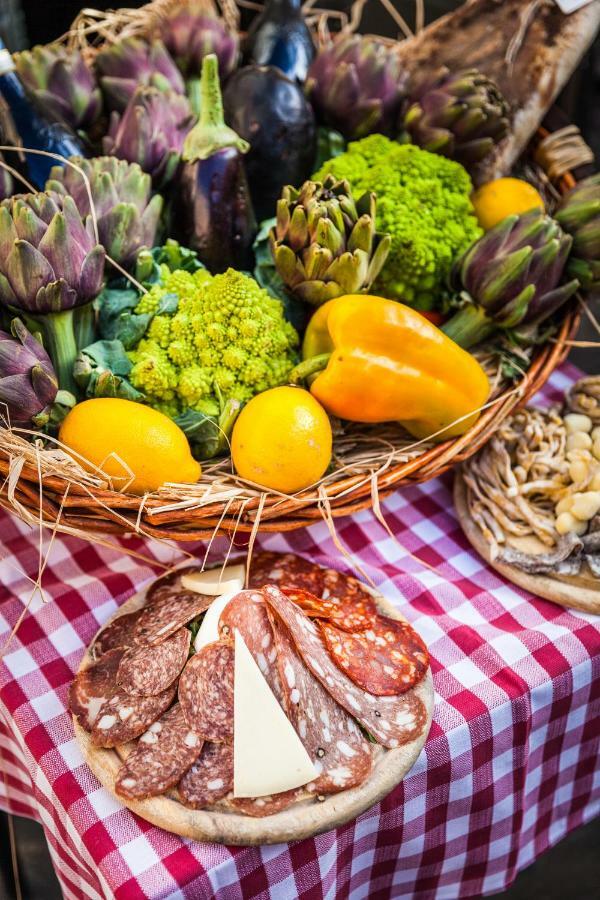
x: 36, y: 487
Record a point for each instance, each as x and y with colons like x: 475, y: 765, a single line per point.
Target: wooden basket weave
x: 37, y: 487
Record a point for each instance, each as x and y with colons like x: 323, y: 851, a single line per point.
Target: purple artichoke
x: 126, y: 213
x: 511, y: 277
x: 132, y: 63
x: 356, y: 86
x: 462, y: 115
x: 28, y: 383
x: 190, y: 33
x: 578, y: 213
x: 151, y: 132
x: 62, y: 83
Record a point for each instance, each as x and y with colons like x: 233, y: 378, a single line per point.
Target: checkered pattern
x: 510, y: 766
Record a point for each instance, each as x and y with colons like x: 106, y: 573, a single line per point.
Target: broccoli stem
x: 469, y: 326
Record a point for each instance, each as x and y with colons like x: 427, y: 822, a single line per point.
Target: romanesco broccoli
x: 422, y: 201
x: 227, y: 339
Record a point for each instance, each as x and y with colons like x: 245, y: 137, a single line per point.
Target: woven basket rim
x: 81, y: 508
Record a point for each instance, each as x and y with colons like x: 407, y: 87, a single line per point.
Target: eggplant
x: 211, y: 209
x: 37, y: 130
x: 279, y: 36
x: 271, y: 112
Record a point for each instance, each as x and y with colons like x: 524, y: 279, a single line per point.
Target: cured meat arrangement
x: 254, y: 701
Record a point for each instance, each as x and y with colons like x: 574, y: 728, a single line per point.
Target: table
x: 510, y: 766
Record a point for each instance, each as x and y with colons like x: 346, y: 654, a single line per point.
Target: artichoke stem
x: 469, y: 326
x: 84, y: 325
x: 307, y: 368
x: 59, y: 340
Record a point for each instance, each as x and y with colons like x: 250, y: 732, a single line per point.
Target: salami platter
x: 256, y: 715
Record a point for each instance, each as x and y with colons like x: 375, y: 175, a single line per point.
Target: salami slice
x: 162, y: 754
x: 393, y: 721
x: 92, y: 687
x: 332, y: 738
x: 210, y: 778
x: 123, y: 717
x: 247, y: 613
x: 118, y: 633
x: 206, y: 692
x: 159, y: 620
x: 319, y: 592
x: 146, y: 672
x: 258, y: 807
x: 387, y: 659
x: 169, y: 586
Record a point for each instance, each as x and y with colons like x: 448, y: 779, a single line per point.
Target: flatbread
x: 302, y: 820
x: 573, y: 591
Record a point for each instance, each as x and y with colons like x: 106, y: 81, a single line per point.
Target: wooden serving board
x: 304, y: 819
x: 573, y: 591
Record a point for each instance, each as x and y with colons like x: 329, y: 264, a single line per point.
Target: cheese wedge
x: 215, y: 582
x: 209, y: 627
x: 268, y: 756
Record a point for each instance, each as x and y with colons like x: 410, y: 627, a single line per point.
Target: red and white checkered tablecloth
x: 510, y: 766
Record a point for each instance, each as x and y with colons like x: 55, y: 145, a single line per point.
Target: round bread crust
x: 302, y: 820
x: 572, y: 591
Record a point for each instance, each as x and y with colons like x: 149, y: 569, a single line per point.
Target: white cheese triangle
x: 216, y: 581
x: 268, y: 756
x: 209, y: 627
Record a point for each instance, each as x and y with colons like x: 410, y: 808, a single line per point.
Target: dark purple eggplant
x: 211, y: 207
x: 272, y: 113
x: 279, y: 36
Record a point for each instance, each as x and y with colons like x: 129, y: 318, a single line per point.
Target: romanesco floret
x: 422, y: 201
x: 227, y: 338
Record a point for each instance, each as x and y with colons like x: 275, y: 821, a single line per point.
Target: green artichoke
x: 62, y: 83
x: 462, y: 115
x: 126, y: 213
x: 28, y: 383
x: 131, y: 63
x: 578, y: 214
x: 324, y: 243
x: 356, y: 86
x: 50, y: 264
x: 511, y: 277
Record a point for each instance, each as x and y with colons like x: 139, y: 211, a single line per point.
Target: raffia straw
x: 253, y: 533
x: 16, y: 174
x: 378, y: 513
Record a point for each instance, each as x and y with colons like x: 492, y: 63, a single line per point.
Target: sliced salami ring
x: 332, y: 738
x: 387, y: 659
x: 393, y: 721
x: 169, y: 586
x: 320, y: 593
x: 118, y: 633
x: 247, y: 613
x: 162, y: 754
x: 123, y: 717
x: 92, y: 687
x: 206, y: 692
x: 146, y: 671
x: 210, y: 778
x: 258, y: 807
x: 159, y: 620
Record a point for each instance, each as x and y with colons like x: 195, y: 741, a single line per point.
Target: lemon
x: 125, y: 439
x: 504, y: 197
x: 282, y: 440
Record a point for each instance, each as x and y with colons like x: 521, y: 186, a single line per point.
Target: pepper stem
x: 211, y: 134
x: 308, y: 368
x: 469, y: 326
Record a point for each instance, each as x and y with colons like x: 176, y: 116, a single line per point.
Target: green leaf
x: 209, y: 435
x: 102, y: 369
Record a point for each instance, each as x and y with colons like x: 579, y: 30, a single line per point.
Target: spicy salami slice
x: 210, y: 777
x: 393, y: 721
x: 247, y: 613
x: 319, y: 592
x: 118, y: 633
x: 258, y: 807
x: 387, y: 659
x: 163, y: 753
x: 169, y: 586
x: 206, y: 692
x: 145, y: 672
x: 92, y: 687
x: 123, y: 717
x: 340, y: 753
x: 159, y: 620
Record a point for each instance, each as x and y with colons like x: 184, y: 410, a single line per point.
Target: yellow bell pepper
x: 380, y: 361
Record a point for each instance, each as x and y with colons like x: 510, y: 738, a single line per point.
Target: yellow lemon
x: 504, y: 197
x: 282, y: 440
x: 123, y: 438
